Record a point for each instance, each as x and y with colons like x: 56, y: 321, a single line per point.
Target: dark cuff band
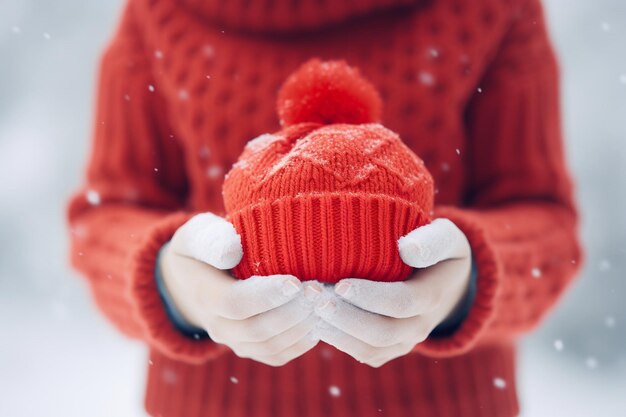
x: 173, y: 313
x: 449, y: 326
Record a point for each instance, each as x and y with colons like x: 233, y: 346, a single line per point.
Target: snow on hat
x: 329, y: 195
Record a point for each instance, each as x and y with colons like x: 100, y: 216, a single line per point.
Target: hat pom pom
x: 328, y: 92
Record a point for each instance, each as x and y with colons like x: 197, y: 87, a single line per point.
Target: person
x: 471, y: 87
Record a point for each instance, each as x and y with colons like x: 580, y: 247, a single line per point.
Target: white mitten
x: 378, y: 321
x: 264, y: 318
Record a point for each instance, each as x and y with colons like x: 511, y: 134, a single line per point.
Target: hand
x: 263, y: 318
x: 376, y: 322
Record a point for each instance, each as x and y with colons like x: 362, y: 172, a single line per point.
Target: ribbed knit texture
x: 326, y: 237
x: 470, y: 85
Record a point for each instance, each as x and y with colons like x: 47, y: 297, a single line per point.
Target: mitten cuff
x: 160, y: 330
x: 172, y: 310
x: 468, y: 333
x: 450, y: 325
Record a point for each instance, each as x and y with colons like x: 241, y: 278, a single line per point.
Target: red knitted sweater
x: 470, y: 85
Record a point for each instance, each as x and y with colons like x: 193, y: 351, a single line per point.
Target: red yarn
x: 328, y: 92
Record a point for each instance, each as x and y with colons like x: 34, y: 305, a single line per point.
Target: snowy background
x: 58, y: 356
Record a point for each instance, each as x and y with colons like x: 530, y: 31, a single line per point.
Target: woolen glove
x: 376, y: 322
x: 265, y: 318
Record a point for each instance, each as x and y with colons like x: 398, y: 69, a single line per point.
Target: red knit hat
x: 329, y: 195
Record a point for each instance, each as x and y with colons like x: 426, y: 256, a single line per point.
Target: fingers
x: 393, y: 299
x: 296, y: 350
x: 373, y: 329
x: 361, y: 351
x: 260, y: 327
x: 221, y: 294
x: 210, y: 239
x: 433, y: 243
x: 279, y: 342
x: 255, y: 295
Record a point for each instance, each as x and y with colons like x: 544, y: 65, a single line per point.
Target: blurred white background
x: 59, y: 357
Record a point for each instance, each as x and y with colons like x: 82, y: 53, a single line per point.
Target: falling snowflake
x: 605, y: 26
x: 183, y: 95
x: 499, y: 383
x: 16, y: 29
x: 535, y: 272
x: 93, y: 197
x: 558, y: 345
x: 234, y: 380
x: 609, y: 321
x: 591, y: 362
x: 326, y: 353
x: 214, y: 171
x: 458, y: 151
x: 334, y: 391
x: 151, y: 88
x: 80, y: 231
x: 46, y: 36
x: 158, y: 54
x: 426, y: 78
x: 204, y: 152
x: 131, y: 194
x: 208, y: 51
x: 604, y: 266
x: 433, y: 52
x: 479, y: 89
x: 169, y: 376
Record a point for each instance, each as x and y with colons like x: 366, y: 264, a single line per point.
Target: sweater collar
x: 286, y: 15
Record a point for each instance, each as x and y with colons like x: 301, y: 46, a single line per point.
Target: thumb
x: 210, y: 239
x: 433, y: 243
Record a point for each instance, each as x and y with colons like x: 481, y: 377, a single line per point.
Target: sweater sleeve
x: 132, y: 201
x: 520, y: 218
